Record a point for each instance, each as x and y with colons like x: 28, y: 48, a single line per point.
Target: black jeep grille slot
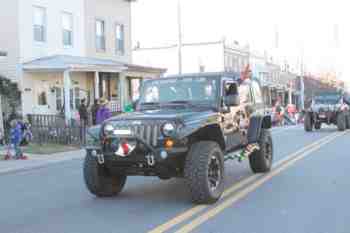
x: 147, y: 131
x: 155, y: 135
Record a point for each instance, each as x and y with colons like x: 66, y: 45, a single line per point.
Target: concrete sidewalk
x: 38, y: 161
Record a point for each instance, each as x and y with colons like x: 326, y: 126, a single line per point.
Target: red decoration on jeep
x: 125, y: 148
x: 246, y: 73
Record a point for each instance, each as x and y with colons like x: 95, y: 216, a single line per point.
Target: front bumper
x: 143, y: 160
x: 325, y: 116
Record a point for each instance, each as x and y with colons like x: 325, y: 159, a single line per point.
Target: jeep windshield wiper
x: 181, y: 102
x: 150, y: 103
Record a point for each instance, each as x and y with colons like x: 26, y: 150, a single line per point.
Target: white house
x: 63, y: 51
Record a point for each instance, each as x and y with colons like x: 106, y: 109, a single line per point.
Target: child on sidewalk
x: 16, y: 138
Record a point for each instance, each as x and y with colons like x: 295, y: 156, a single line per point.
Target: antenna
x: 336, y: 35
x: 180, y: 35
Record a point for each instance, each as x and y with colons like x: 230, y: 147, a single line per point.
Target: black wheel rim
x: 214, y: 173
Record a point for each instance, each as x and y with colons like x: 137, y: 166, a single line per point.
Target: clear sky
x: 306, y: 24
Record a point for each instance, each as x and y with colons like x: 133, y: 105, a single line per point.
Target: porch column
x: 67, y: 86
x: 290, y: 96
x: 97, y: 85
x: 1, y: 119
x: 122, y: 90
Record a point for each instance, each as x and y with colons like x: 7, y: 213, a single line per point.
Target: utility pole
x: 302, y: 87
x: 180, y: 35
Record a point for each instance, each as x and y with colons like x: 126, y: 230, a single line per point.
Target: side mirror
x: 135, y: 103
x: 346, y: 100
x: 232, y: 100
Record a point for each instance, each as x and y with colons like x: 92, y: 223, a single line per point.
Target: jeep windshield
x: 183, y: 91
x: 327, y: 99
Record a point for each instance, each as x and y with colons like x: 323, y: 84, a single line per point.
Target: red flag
x: 245, y: 74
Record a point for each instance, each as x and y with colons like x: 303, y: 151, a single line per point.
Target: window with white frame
x: 67, y: 29
x: 120, y: 39
x: 100, y: 35
x: 39, y: 24
x: 75, y: 98
x: 59, y: 98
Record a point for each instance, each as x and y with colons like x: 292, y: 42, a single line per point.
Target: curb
x: 44, y: 164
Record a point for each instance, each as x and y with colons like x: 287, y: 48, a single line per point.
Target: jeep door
x: 229, y: 123
x: 247, y: 108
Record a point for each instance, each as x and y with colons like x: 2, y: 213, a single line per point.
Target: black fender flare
x: 204, y: 131
x: 256, y: 124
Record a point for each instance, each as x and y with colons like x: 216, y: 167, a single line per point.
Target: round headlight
x: 108, y: 129
x: 168, y: 129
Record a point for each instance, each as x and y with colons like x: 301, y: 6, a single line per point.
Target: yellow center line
x: 243, y: 193
x: 193, y: 211
x: 238, y: 185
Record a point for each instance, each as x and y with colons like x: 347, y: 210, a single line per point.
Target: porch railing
x: 52, y: 129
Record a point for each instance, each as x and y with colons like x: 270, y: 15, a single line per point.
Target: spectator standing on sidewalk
x: 83, y: 113
x: 279, y: 112
x: 94, y: 109
x: 103, y: 112
x: 291, y: 109
x: 16, y: 138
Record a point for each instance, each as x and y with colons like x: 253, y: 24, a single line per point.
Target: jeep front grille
x: 148, y: 131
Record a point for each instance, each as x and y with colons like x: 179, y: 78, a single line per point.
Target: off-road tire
x: 341, y: 121
x: 348, y: 122
x: 196, y: 172
x: 98, y: 181
x: 318, y: 125
x: 261, y: 160
x: 307, y: 122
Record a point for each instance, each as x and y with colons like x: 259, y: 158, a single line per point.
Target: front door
x: 43, y: 99
x: 104, y: 85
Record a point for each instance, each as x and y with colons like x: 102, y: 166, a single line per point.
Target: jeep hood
x: 325, y: 107
x: 165, y: 114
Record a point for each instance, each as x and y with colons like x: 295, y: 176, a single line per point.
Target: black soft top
x: 234, y: 75
x: 327, y: 93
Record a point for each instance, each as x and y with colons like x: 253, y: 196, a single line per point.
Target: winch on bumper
x: 129, y: 154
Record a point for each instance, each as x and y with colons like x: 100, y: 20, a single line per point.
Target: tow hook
x: 100, y: 159
x: 150, y: 160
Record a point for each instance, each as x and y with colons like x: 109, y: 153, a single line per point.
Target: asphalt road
x: 307, y: 191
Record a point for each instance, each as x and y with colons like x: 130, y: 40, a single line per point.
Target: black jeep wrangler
x: 183, y: 126
x: 327, y: 108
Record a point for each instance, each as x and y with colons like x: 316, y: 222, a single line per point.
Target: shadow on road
x: 325, y: 130
x: 151, y: 190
